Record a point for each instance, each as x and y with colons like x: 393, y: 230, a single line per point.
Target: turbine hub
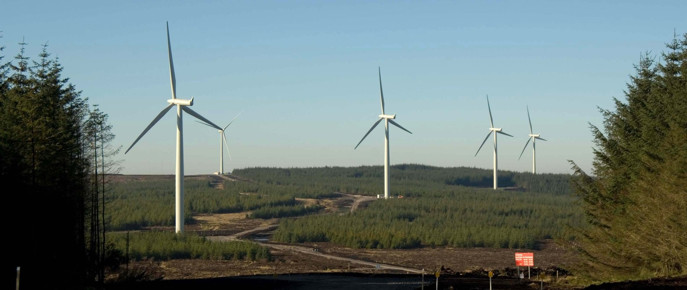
x: 384, y: 116
x: 181, y: 102
x: 534, y: 135
x: 495, y: 129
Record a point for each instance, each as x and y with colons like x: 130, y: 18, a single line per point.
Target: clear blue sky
x: 304, y: 73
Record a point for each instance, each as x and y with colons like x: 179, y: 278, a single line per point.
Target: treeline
x: 162, y: 246
x: 52, y: 150
x: 549, y: 183
x: 460, y: 218
x: 407, y: 178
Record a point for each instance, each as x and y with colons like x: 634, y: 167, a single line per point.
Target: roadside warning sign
x: 524, y: 259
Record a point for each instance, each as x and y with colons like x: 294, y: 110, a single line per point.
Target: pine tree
x: 4, y: 67
x: 44, y: 162
x: 98, y: 138
x: 636, y: 198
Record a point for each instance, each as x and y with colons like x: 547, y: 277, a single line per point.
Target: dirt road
x: 240, y: 235
x: 314, y: 251
x: 359, y: 199
x: 307, y: 250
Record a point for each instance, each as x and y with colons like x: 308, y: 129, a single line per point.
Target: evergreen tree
x: 43, y: 162
x: 4, y: 67
x: 98, y: 148
x: 636, y: 198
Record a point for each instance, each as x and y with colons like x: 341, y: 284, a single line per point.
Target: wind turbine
x: 182, y: 105
x: 222, y: 142
x: 533, y: 138
x: 495, y: 131
x: 387, y: 119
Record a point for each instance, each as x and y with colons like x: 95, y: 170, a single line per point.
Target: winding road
x: 306, y: 250
x: 358, y: 199
x: 311, y: 251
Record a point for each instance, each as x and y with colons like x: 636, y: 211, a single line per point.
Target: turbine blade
x: 193, y: 113
x: 232, y: 120
x: 504, y: 133
x: 540, y: 138
x: 485, y: 140
x: 159, y: 116
x: 226, y: 144
x: 381, y: 92
x: 491, y: 119
x: 206, y: 124
x: 368, y: 133
x: 523, y: 149
x: 172, y: 78
x: 397, y: 125
x: 529, y: 119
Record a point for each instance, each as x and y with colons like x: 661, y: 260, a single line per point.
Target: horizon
x: 326, y: 166
x: 304, y: 76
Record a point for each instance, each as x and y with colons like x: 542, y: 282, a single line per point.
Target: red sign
x: 524, y: 259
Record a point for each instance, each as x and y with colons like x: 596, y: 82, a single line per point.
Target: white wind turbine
x: 182, y: 105
x: 387, y: 119
x: 533, y: 138
x: 495, y: 131
x: 222, y: 142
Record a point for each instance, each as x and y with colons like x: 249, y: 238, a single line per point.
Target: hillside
x: 432, y: 206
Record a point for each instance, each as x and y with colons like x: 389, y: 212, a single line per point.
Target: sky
x: 303, y: 75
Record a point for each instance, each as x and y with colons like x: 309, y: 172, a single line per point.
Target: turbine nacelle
x: 495, y: 131
x: 384, y: 116
x: 533, y: 138
x: 181, y: 102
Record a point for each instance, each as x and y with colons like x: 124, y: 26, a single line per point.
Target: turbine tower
x: 182, y: 105
x: 222, y: 142
x: 533, y: 138
x: 495, y: 131
x: 387, y: 119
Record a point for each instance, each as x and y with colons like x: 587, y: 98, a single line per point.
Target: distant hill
x: 369, y: 177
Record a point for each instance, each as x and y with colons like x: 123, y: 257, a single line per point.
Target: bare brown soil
x: 224, y: 222
x: 449, y: 260
x: 456, y: 259
x: 460, y: 268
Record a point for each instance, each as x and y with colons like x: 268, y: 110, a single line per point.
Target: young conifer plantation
x: 434, y: 206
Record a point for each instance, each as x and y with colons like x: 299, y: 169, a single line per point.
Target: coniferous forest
x: 438, y: 207
x: 431, y: 206
x: 50, y: 140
